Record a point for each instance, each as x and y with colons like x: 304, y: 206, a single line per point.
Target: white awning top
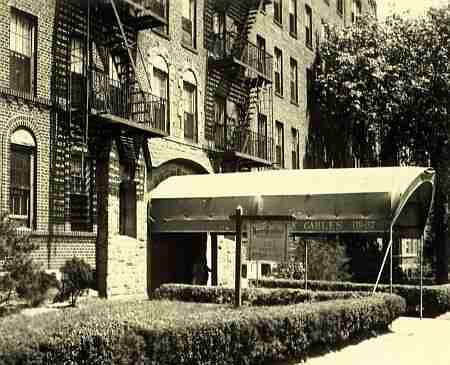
x: 289, y: 182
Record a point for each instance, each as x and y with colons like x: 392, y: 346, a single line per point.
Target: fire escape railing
x: 158, y: 7
x: 119, y: 99
x: 230, y: 44
x: 235, y: 138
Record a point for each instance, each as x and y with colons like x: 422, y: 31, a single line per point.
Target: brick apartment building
x: 101, y: 100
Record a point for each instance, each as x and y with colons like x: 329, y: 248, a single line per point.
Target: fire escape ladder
x: 128, y: 47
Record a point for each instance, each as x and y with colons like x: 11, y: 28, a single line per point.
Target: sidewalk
x: 411, y: 342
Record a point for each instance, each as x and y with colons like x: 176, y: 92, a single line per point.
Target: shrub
x: 250, y: 296
x: 15, y: 249
x: 436, y: 299
x: 77, y: 276
x: 37, y: 286
x: 183, y: 333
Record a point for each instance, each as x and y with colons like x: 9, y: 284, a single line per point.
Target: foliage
x: 15, y: 249
x: 436, y: 298
x: 382, y: 94
x: 37, y: 286
x: 161, y: 332
x: 327, y: 259
x: 77, y: 276
x: 250, y: 296
x: 289, y: 270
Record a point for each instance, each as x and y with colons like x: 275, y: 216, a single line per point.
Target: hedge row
x: 149, y: 332
x: 250, y: 296
x: 436, y: 298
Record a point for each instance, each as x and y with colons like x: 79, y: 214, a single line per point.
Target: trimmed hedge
x: 250, y: 296
x: 436, y: 298
x: 163, y: 332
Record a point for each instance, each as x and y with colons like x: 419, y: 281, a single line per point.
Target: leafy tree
x: 382, y: 93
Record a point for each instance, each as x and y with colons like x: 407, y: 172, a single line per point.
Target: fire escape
x: 239, y: 94
x: 100, y: 92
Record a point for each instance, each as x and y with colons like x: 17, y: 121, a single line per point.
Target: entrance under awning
x: 330, y: 201
x: 367, y: 200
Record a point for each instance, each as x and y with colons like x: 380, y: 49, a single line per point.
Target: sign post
x: 237, y: 279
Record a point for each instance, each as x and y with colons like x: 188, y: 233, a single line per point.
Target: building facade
x: 101, y: 100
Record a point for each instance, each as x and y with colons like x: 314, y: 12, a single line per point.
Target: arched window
x: 22, y: 177
x: 190, y: 106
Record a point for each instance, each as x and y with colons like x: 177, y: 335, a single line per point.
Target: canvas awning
x: 318, y: 201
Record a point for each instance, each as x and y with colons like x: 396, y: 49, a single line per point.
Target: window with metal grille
x: 279, y: 144
x: 161, y: 111
x: 277, y: 11
x: 293, y: 17
x: 278, y: 71
x: 77, y: 72
x: 356, y: 10
x: 79, y: 200
x: 190, y: 111
x: 22, y: 52
x: 340, y: 7
x: 262, y: 136
x: 309, y: 89
x: 188, y: 21
x: 295, y: 149
x: 308, y: 26
x: 161, y: 8
x: 22, y: 172
x: 294, y: 81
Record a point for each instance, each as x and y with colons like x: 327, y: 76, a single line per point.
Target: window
x: 22, y: 172
x: 127, y: 196
x: 277, y: 11
x: 188, y: 23
x: 295, y: 149
x: 163, y: 11
x: 279, y: 144
x: 278, y: 71
x: 266, y: 269
x: 22, y: 52
x: 294, y: 81
x: 161, y: 90
x: 309, y: 90
x: 77, y: 66
x: 219, y: 110
x: 262, y: 136
x: 79, y: 202
x: 308, y: 26
x: 356, y: 10
x: 261, y: 45
x: 190, y: 111
x: 340, y: 7
x: 293, y: 18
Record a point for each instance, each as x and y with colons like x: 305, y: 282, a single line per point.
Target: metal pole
x: 384, y: 261
x: 237, y: 278
x: 257, y: 273
x: 421, y: 277
x: 390, y: 268
x: 306, y: 264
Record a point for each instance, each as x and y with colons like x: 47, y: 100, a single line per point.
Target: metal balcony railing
x: 232, y: 45
x: 234, y: 138
x: 158, y: 7
x: 119, y: 99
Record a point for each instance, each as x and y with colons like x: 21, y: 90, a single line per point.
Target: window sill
x: 161, y: 34
x: 27, y: 97
x: 293, y: 102
x: 280, y: 95
x: 278, y: 23
x: 189, y: 48
x: 293, y: 35
x: 310, y: 47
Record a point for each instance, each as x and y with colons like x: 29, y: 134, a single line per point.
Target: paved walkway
x: 411, y: 342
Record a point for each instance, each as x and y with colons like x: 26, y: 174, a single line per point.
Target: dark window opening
x: 128, y: 202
